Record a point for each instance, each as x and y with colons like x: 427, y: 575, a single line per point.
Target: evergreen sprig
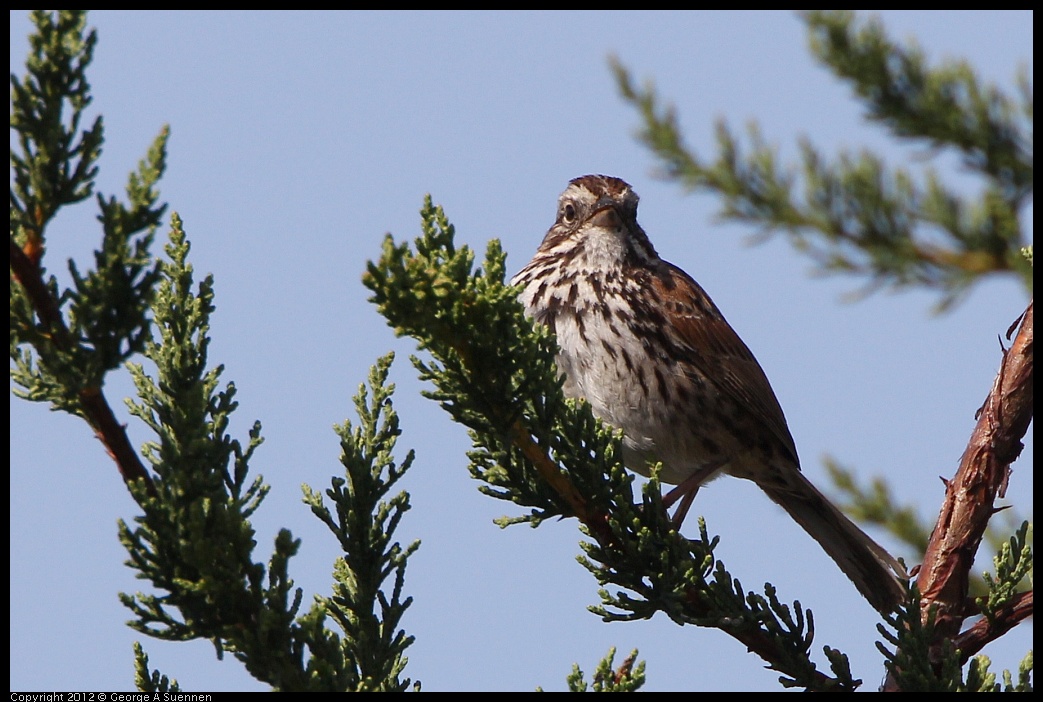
x: 913, y: 670
x: 194, y: 541
x: 855, y: 214
x: 64, y: 341
x: 606, y: 678
x: 79, y: 334
x: 909, y: 663
x: 1013, y: 564
x: 150, y: 681
x: 364, y: 522
x: 56, y: 165
x: 947, y: 105
x: 981, y: 679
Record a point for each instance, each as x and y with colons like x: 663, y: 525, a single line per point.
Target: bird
x: 642, y: 342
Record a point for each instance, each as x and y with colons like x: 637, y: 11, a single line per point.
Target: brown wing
x: 718, y: 351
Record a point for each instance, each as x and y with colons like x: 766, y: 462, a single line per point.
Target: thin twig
x: 985, y: 631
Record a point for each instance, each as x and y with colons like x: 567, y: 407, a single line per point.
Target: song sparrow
x: 654, y: 357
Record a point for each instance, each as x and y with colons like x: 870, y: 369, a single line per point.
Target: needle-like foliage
x: 854, y: 213
x: 193, y: 542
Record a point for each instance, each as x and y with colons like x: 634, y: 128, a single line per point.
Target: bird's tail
x: 875, y: 572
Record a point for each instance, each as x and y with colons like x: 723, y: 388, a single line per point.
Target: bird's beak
x: 605, y: 215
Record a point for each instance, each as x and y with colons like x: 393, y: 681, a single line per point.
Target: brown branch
x: 970, y: 496
x: 96, y: 408
x: 113, y: 436
x: 985, y: 631
x: 27, y: 272
x: 561, y: 484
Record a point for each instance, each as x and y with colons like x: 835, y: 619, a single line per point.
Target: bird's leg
x: 685, y: 504
x: 685, y: 492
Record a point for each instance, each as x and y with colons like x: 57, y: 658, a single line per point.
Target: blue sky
x: 299, y: 139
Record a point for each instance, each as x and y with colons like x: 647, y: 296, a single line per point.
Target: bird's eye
x: 568, y: 213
